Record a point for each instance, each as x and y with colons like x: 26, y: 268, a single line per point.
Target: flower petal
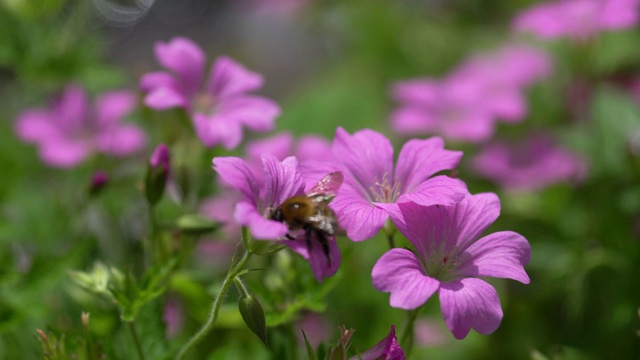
x: 121, y: 140
x: 35, y: 125
x: 112, y: 106
x: 470, y: 303
x: 420, y: 159
x: 185, y: 58
x: 412, y: 119
x: 439, y: 190
x: 156, y: 79
x: 216, y: 129
x: 229, y: 78
x: 165, y: 98
x: 474, y: 214
x: 314, y: 253
x: 282, y: 180
x: 358, y: 217
x: 256, y: 113
x: 400, y: 272
x: 247, y: 214
x: 502, y: 255
x: 367, y: 157
x: 64, y: 153
x: 234, y: 172
x: 387, y: 349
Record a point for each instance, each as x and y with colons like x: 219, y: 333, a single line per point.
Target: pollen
x: 384, y: 190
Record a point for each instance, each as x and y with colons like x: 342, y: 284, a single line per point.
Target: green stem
x: 136, y: 340
x: 213, y: 316
x: 391, y: 240
x: 390, y: 230
x: 407, y: 335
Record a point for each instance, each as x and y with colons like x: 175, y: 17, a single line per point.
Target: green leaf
x: 310, y: 353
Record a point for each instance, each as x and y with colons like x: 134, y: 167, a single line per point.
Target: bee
x: 311, y: 212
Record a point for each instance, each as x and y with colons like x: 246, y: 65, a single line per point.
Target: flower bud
x: 253, y: 316
x: 157, y: 174
x: 99, y: 180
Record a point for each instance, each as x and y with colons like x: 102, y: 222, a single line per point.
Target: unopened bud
x: 253, y: 316
x: 157, y: 174
x: 85, y: 320
x: 99, y: 180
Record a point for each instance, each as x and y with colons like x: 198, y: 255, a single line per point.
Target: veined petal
x: 439, y: 190
x: 247, y: 214
x: 474, y: 214
x: 229, y: 78
x: 502, y: 255
x: 282, y: 180
x: 320, y: 265
x: 400, y: 273
x: 420, y: 159
x: 165, y: 98
x: 185, y: 58
x: 428, y: 228
x: 367, y: 157
x: 470, y: 303
x: 385, y: 349
x: 256, y: 113
x: 234, y: 172
x: 359, y: 217
x: 113, y: 105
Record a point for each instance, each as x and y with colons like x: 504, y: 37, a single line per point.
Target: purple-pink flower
x: 577, y: 19
x: 282, y: 180
x: 531, y: 164
x: 72, y: 129
x: 373, y: 184
x: 448, y: 258
x: 466, y: 104
x: 220, y: 106
x: 385, y: 349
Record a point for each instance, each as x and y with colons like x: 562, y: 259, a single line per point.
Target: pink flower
x: 373, y: 185
x: 532, y: 164
x: 386, y: 349
x: 448, y: 258
x: 577, y: 19
x: 219, y: 106
x: 71, y: 129
x: 467, y: 103
x: 282, y: 180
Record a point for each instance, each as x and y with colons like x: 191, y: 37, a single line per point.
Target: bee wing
x: 328, y: 185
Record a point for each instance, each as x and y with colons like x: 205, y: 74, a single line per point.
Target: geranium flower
x: 72, y: 129
x: 532, y: 164
x: 386, y: 349
x: 219, y: 106
x: 282, y: 180
x: 577, y: 19
x: 466, y: 104
x: 449, y: 257
x: 373, y: 185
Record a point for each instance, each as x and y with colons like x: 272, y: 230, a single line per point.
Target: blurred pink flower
x: 466, y: 104
x: 374, y: 183
x: 386, y: 349
x: 532, y: 164
x: 219, y: 106
x: 71, y: 129
x: 315, y: 328
x: 427, y: 333
x: 173, y: 316
x: 449, y: 257
x: 577, y: 19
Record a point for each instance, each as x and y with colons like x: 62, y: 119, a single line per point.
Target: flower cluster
x: 466, y: 104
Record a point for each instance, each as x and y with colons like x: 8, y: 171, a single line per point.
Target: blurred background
x: 328, y: 63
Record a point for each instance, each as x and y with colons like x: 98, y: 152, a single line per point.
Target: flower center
x: 441, y: 266
x: 204, y: 103
x: 385, y: 191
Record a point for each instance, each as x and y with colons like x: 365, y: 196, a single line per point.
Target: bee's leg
x: 289, y: 237
x: 325, y: 245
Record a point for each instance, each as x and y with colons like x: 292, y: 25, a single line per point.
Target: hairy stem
x: 235, y: 269
x: 407, y: 335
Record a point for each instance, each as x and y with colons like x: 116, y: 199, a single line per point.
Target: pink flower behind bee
x: 220, y: 106
x: 449, y: 258
x: 72, y: 129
